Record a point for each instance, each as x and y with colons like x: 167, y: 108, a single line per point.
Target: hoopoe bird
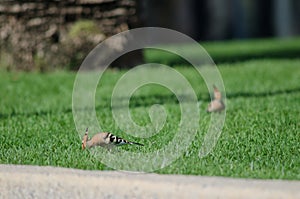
x: 104, y: 139
x: 216, y: 105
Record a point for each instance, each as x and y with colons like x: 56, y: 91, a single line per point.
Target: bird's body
x: 216, y: 105
x: 104, y: 139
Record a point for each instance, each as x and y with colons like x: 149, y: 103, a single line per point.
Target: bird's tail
x: 136, y: 143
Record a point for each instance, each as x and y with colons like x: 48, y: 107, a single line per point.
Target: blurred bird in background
x: 216, y: 105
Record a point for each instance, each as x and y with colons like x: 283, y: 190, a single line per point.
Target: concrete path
x: 50, y: 182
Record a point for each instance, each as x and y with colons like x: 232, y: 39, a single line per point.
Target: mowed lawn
x: 260, y: 138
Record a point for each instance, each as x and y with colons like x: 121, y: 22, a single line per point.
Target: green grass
x: 260, y: 139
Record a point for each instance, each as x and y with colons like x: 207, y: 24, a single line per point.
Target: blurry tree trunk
x: 135, y: 57
x: 283, y: 18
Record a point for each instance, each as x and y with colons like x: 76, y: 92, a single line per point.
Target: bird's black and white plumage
x: 104, y: 139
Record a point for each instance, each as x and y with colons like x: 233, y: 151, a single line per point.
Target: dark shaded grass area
x: 233, y: 51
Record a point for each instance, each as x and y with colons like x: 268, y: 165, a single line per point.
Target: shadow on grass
x: 263, y: 94
x: 221, y: 56
x: 171, y: 99
x: 141, y: 101
x: 244, y: 57
x: 176, y: 61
